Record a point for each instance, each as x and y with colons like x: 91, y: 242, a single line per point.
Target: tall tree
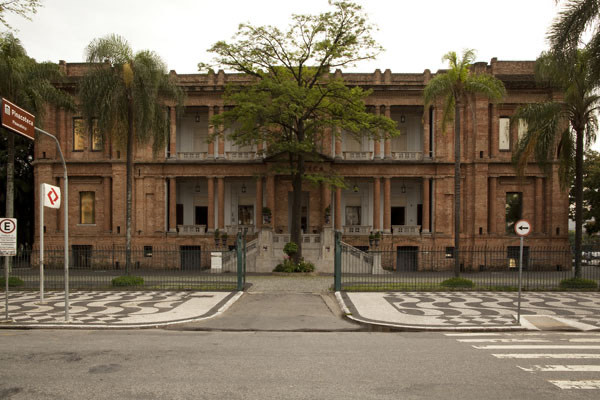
x: 28, y: 84
x: 562, y: 129
x: 454, y: 88
x: 577, y: 18
x: 19, y: 7
x: 293, y: 100
x: 128, y: 94
x: 591, y: 192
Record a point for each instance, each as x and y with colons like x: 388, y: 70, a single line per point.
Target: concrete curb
x: 218, y: 309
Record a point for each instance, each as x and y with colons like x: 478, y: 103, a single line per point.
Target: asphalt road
x: 162, y: 364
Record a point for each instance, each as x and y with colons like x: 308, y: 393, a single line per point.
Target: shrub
x: 578, y: 283
x: 128, y: 280
x: 458, y: 283
x: 289, y: 266
x: 290, y: 249
x: 305, y: 266
x: 13, y: 281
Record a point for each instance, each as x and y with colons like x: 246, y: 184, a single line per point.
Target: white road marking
x: 537, y: 347
x: 577, y: 384
x: 550, y: 355
x: 585, y: 340
x: 561, y: 368
x: 502, y: 340
x: 472, y: 334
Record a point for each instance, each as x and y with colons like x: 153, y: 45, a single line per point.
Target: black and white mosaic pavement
x: 472, y: 309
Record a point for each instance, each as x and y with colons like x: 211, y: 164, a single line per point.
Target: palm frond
x: 566, y: 30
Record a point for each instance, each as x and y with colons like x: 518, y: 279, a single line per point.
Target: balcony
x: 242, y: 155
x: 358, y: 155
x: 190, y: 155
x: 191, y: 229
x: 407, y: 155
x: 357, y: 229
x: 406, y: 230
x: 233, y: 230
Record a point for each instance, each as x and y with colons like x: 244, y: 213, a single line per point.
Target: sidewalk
x: 113, y: 309
x: 473, y: 311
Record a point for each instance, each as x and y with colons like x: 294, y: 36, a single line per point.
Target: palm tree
x: 28, y: 84
x: 547, y: 131
x: 578, y: 17
x: 454, y: 88
x: 127, y: 93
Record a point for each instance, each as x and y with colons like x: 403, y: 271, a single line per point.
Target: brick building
x: 402, y: 187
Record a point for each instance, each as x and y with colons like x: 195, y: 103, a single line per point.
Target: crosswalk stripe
x: 467, y: 334
x: 536, y: 347
x: 503, y: 340
x: 473, y: 334
x: 550, y: 355
x: 561, y: 368
x: 577, y: 384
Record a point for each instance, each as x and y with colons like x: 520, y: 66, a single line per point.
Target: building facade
x: 402, y: 187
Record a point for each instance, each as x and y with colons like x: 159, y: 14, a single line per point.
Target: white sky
x: 414, y: 33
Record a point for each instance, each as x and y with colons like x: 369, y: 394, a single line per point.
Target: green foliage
x: 578, y: 284
x: 19, y: 7
x: 13, y: 281
x: 591, y: 192
x: 290, y: 249
x: 458, y: 283
x: 289, y: 266
x: 128, y: 280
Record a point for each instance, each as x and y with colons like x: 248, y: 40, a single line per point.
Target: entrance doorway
x: 407, y: 258
x: 191, y: 259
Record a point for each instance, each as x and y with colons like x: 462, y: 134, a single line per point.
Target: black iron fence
x: 166, y: 268
x: 421, y: 268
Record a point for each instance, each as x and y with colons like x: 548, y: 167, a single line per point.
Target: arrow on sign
x: 521, y: 228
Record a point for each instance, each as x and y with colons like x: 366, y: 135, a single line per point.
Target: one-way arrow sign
x: 522, y: 227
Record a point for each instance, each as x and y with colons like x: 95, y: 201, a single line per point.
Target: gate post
x: 240, y: 262
x: 337, y: 263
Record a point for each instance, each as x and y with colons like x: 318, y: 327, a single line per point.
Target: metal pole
x: 520, y: 277
x: 41, y: 242
x: 6, y: 287
x: 66, y: 213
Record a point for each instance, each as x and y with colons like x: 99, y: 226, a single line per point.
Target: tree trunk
x: 457, y: 189
x: 578, y: 198
x: 296, y: 228
x: 10, y: 184
x: 129, y: 189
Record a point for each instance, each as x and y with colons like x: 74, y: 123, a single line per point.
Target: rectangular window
x: 87, y: 207
x: 245, y: 215
x: 504, y: 134
x: 97, y: 141
x: 78, y: 134
x: 147, y: 251
x: 514, y: 210
x: 352, y: 215
x: 449, y: 252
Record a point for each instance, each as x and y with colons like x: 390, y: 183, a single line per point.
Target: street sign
x: 522, y: 227
x: 16, y: 119
x: 51, y: 195
x: 8, y: 237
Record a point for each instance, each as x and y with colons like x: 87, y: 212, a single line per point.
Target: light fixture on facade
x: 197, y: 188
x: 402, y: 119
x: 243, y: 188
x: 197, y: 117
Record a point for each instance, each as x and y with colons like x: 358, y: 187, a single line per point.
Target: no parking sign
x: 8, y: 237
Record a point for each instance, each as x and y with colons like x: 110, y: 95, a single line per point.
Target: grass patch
x: 578, y: 284
x: 128, y: 280
x: 458, y: 283
x: 13, y: 281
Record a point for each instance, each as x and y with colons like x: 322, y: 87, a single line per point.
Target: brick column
x: 387, y: 146
x: 338, y: 143
x: 64, y: 133
x: 377, y: 143
x: 221, y: 138
x: 107, y: 203
x: 426, y: 206
x: 338, y: 209
x: 271, y: 197
x: 221, y: 200
x: 325, y: 202
x: 211, y: 131
x: 173, y: 133
x: 172, y: 204
x: 494, y: 132
x: 492, y: 205
x: 387, y: 205
x: 210, y: 224
x: 376, y: 202
x: 259, y: 202
x: 539, y: 205
x: 426, y: 125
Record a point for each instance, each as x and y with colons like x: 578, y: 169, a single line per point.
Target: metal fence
x: 420, y: 268
x: 167, y: 268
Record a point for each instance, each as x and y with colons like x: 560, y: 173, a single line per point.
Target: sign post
x: 49, y: 197
x: 522, y: 229
x: 8, y: 247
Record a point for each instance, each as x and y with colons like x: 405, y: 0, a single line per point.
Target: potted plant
x: 224, y: 238
x: 217, y: 237
x: 376, y: 238
x: 371, y: 239
x: 266, y: 212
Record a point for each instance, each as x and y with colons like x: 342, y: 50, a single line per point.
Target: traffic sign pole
x: 522, y: 228
x: 41, y: 242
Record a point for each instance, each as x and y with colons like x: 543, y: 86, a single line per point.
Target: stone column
x: 325, y: 202
x: 210, y: 224
x: 221, y: 200
x: 338, y: 209
x: 211, y: 131
x: 376, y: 202
x: 426, y: 206
x: 539, y: 205
x: 259, y: 202
x: 173, y: 133
x: 173, y: 204
x: 377, y: 143
x: 221, y: 138
x: 387, y: 205
x: 387, y: 146
x: 271, y: 197
x: 492, y: 205
x: 107, y: 203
